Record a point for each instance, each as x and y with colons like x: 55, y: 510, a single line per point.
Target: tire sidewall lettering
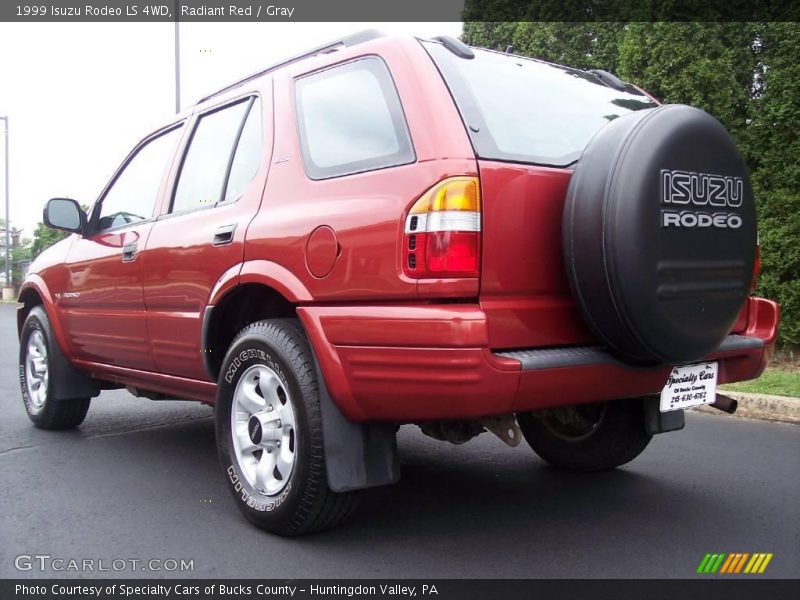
x: 23, y: 381
x: 252, y: 500
x: 31, y: 326
x: 242, y: 358
x: 242, y: 490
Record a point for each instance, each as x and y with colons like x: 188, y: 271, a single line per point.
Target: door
x: 103, y: 308
x: 200, y: 234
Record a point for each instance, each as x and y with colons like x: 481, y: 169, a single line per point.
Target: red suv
x: 392, y: 230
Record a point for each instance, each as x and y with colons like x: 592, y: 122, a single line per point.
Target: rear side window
x: 247, y: 157
x: 132, y: 196
x: 522, y: 110
x: 350, y: 120
x: 213, y: 150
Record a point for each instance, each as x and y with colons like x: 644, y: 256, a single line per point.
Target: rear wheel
x: 588, y: 437
x: 35, y: 366
x: 269, y: 432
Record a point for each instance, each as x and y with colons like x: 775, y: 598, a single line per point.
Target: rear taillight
x: 442, y: 236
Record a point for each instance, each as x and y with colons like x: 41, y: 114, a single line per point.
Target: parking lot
x: 139, y: 480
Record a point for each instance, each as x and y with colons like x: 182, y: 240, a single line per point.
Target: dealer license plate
x: 689, y: 386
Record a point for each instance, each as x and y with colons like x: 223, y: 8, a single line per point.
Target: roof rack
x: 345, y: 42
x: 615, y: 82
x: 456, y: 46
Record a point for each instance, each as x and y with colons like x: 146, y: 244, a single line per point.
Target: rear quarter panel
x: 364, y: 210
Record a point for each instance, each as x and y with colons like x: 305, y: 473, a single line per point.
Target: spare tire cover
x: 659, y: 234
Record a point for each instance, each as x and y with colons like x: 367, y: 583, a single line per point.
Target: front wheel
x: 588, y: 437
x: 269, y: 432
x: 35, y: 368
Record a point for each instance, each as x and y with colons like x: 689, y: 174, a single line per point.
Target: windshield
x: 522, y: 110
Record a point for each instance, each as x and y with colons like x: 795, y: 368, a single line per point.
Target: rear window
x: 523, y: 110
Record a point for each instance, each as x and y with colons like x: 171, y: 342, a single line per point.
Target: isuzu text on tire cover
x: 387, y: 231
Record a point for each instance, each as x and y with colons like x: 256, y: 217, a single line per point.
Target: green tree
x: 708, y: 65
x: 44, y: 237
x: 496, y: 36
x: 19, y: 254
x: 773, y: 145
x: 3, y: 251
x: 491, y: 23
x: 580, y: 45
x: 26, y: 249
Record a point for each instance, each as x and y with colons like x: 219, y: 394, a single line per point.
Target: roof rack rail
x: 615, y: 82
x: 345, y: 42
x: 455, y: 46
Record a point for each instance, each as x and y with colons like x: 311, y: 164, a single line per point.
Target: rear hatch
x: 529, y: 122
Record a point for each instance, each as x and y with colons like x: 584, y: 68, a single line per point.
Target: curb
x: 760, y: 406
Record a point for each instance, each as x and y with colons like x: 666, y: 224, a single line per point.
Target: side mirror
x: 65, y: 214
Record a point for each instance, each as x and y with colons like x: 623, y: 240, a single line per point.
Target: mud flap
x: 658, y: 422
x: 70, y: 383
x: 357, y: 455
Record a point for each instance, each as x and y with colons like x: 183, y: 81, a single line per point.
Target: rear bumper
x: 433, y: 362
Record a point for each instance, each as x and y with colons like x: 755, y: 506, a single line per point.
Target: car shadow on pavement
x: 522, y: 496
x: 477, y: 510
x: 481, y: 488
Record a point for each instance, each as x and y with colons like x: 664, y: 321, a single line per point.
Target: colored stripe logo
x: 735, y: 563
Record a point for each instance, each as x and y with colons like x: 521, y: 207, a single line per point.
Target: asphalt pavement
x: 139, y: 480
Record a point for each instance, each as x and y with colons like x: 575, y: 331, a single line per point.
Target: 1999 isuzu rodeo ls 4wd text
x: 392, y: 230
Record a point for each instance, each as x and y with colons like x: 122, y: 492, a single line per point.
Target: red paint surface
x: 107, y: 322
x: 524, y: 288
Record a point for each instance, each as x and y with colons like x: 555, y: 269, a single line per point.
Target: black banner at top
x: 66, y: 11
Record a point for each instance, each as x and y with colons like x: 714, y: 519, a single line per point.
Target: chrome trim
x: 446, y: 220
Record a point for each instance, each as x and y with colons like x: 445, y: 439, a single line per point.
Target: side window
x: 207, y: 161
x: 247, y: 158
x: 350, y: 120
x: 133, y: 195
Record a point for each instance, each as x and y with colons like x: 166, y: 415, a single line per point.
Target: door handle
x: 224, y: 235
x: 129, y: 252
